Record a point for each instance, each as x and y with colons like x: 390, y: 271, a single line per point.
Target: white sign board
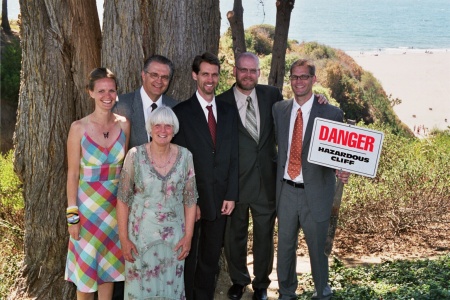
x: 345, y: 147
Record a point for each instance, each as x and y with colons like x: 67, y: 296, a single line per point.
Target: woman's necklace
x: 152, y: 160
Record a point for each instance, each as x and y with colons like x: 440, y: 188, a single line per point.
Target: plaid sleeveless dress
x: 97, y: 257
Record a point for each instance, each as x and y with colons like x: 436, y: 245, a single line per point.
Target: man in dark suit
x: 138, y: 105
x: 208, y: 128
x: 257, y: 169
x: 304, y: 191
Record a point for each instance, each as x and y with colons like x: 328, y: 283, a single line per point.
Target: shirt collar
x: 147, y: 102
x: 203, y: 102
x: 307, y: 106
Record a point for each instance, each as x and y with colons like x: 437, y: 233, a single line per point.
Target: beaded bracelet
x: 72, y: 215
x: 72, y: 220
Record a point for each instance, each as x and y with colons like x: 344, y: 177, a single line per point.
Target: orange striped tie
x: 295, y: 156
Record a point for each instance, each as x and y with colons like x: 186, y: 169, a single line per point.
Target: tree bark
x: 122, y: 50
x: 277, y: 67
x: 236, y: 19
x: 178, y: 30
x: 60, y: 44
x: 5, y: 20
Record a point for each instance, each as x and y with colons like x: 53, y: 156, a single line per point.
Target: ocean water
x: 350, y: 25
x: 358, y: 25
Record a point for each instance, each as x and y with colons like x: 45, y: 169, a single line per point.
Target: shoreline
x: 419, y: 78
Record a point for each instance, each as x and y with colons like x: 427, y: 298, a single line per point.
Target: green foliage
x: 318, y: 51
x: 411, y: 190
x: 226, y: 78
x: 400, y: 279
x: 11, y: 224
x: 259, y: 39
x: 10, y: 185
x: 358, y: 93
x: 11, y: 259
x: 10, y: 66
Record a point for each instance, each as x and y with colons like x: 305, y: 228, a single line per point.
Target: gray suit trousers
x: 293, y: 213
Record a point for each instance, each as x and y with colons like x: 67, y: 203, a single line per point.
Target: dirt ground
x: 356, y: 250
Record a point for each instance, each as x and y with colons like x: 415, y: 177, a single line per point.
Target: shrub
x: 318, y: 51
x: 11, y: 224
x: 410, y: 191
x: 399, y: 279
x: 259, y: 39
x: 10, y: 66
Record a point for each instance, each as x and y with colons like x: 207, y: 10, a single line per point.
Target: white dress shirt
x: 204, y: 104
x: 306, y: 110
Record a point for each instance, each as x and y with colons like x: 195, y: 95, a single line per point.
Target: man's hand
x: 343, y: 175
x: 198, y: 214
x: 227, y: 207
x: 322, y: 99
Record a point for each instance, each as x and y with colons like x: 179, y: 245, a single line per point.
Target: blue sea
x: 350, y: 25
x: 359, y: 25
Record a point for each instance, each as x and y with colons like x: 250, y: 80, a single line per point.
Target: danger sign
x: 345, y: 147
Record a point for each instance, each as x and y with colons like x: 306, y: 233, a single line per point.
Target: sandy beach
x: 420, y: 78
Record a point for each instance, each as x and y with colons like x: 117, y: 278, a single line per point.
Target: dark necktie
x: 149, y: 111
x: 295, y: 155
x: 211, y: 123
x: 250, y: 120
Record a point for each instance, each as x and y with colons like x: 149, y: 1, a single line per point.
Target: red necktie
x: 211, y: 123
x: 295, y: 156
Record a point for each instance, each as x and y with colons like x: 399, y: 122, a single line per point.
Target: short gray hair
x: 162, y: 115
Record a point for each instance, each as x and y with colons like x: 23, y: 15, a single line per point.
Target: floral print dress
x: 156, y: 223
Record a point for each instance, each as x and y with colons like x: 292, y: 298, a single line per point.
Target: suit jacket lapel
x: 221, y: 118
x: 199, y: 118
x: 262, y: 107
x: 138, y: 118
x: 229, y: 97
x: 285, y: 123
x: 316, y: 111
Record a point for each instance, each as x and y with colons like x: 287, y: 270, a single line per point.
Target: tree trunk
x: 176, y: 29
x: 60, y: 44
x: 122, y: 50
x: 277, y: 67
x: 5, y: 20
x: 236, y: 19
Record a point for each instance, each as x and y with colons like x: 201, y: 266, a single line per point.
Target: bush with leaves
x: 411, y: 190
x: 400, y: 279
x: 11, y: 224
x: 10, y: 65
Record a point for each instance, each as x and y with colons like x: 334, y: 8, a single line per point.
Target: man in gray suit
x: 138, y: 105
x: 304, y: 191
x: 257, y: 167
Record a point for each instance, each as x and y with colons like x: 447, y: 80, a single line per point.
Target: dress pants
x: 210, y: 243
x: 293, y: 212
x: 236, y: 235
x: 119, y: 290
x: 190, y: 264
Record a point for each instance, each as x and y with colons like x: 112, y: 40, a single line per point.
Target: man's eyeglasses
x: 155, y: 76
x: 245, y: 70
x: 301, y: 77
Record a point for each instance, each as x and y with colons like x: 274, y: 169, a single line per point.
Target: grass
x: 11, y: 224
x: 400, y: 279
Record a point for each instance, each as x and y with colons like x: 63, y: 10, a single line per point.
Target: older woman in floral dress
x: 156, y: 211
